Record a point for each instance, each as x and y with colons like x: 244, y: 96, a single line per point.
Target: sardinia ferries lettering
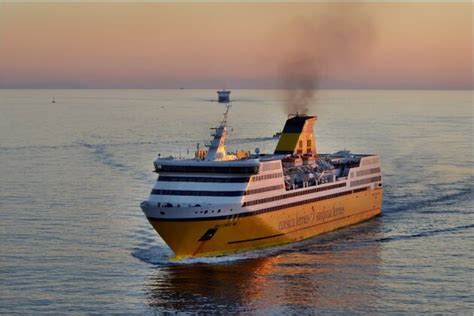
x: 325, y: 214
x: 321, y: 216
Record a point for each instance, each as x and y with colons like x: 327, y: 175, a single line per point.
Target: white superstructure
x: 216, y: 184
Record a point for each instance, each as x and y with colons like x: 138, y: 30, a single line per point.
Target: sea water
x: 74, y: 240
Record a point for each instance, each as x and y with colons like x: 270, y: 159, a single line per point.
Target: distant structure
x: 54, y: 101
x: 223, y: 96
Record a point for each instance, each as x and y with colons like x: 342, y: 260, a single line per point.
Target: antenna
x: 224, y: 120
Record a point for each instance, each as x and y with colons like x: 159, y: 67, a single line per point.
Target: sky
x: 236, y: 45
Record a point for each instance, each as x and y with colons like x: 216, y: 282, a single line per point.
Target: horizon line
x: 319, y: 89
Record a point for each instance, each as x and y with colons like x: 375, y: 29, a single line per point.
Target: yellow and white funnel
x: 298, y: 136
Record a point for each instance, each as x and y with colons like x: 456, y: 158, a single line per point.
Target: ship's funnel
x: 297, y: 136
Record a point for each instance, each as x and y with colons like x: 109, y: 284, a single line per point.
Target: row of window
x: 366, y: 181
x: 289, y: 195
x: 267, y: 176
x: 266, y: 189
x: 215, y: 193
x: 196, y: 193
x: 206, y: 211
x: 204, y: 179
x: 360, y: 189
x: 368, y: 171
x: 283, y: 206
x: 206, y: 169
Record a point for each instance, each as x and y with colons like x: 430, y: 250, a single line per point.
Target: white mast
x: 217, y: 147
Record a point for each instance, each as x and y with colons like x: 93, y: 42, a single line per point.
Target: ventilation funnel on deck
x: 298, y: 136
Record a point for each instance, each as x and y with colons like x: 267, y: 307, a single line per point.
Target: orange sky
x: 209, y: 45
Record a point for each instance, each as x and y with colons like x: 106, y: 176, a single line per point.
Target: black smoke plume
x: 327, y: 43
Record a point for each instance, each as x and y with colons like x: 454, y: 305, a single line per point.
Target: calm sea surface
x: 74, y: 240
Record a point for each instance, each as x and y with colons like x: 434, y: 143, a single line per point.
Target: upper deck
x: 249, y: 164
x: 218, y: 182
x: 238, y: 166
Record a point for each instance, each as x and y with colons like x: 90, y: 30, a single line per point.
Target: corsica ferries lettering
x: 320, y: 216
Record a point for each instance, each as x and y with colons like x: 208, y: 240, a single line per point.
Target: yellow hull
x: 185, y: 238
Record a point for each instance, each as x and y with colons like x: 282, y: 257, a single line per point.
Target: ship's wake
x: 426, y: 233
x: 161, y: 255
x: 420, y: 204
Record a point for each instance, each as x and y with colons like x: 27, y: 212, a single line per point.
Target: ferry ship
x: 221, y: 202
x: 223, y: 96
